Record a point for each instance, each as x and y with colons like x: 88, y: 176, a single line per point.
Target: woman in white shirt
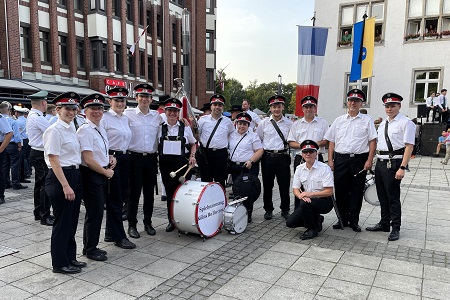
x: 63, y: 186
x: 96, y: 169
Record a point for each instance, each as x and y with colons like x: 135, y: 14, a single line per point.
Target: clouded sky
x: 258, y: 38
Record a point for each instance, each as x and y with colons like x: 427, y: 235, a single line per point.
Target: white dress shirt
x: 255, y: 119
x: 401, y: 131
x: 246, y: 148
x: 173, y: 131
x: 206, y: 126
x: 440, y: 101
x: 270, y: 138
x: 36, y: 125
x: 429, y: 101
x: 302, y: 130
x: 117, y: 129
x: 93, y: 138
x: 144, y: 130
x: 351, y: 135
x: 61, y: 139
x: 316, y: 179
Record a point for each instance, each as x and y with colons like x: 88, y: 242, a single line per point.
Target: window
x: 351, y: 14
x: 62, y: 3
x: 26, y: 43
x: 362, y: 84
x: 425, y: 81
x: 63, y: 53
x: 142, y: 63
x: 129, y: 7
x: 174, y: 34
x: 209, y: 41
x: 78, y: 4
x: 80, y: 54
x: 116, y: 8
x: 99, y: 55
x: 131, y: 68
x: 210, y: 6
x: 160, y: 71
x: 178, y: 2
x: 428, y: 18
x: 210, y: 85
x: 174, y: 72
x: 150, y: 68
x: 117, y: 52
x: 100, y: 4
x: 141, y: 12
x: 159, y: 26
x: 44, y: 43
x: 149, y: 22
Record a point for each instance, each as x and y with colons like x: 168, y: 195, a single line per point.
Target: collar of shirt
x: 37, y: 111
x: 6, y: 116
x: 90, y: 123
x: 314, y: 166
x: 176, y: 124
x: 395, y: 119
x: 357, y: 116
x: 62, y: 123
x: 304, y: 120
x: 138, y: 111
x: 279, y: 121
x: 113, y: 113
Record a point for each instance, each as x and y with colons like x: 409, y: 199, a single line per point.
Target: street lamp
x: 279, y: 85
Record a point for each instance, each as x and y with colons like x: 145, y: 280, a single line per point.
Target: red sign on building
x: 115, y: 82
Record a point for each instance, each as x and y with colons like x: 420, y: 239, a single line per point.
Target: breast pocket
x: 318, y: 134
x: 317, y: 185
x: 360, y: 130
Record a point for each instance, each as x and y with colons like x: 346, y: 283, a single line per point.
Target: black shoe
x: 249, y: 218
x: 19, y: 187
x: 97, y: 256
x: 108, y: 239
x: 163, y: 198
x: 96, y: 251
x: 125, y: 244
x: 150, y: 230
x: 319, y: 222
x: 285, y: 214
x: 378, y: 227
x: 309, y: 234
x: 170, y: 227
x: 25, y: 181
x: 394, y: 235
x: 2, y: 200
x: 78, y: 264
x: 268, y: 215
x: 355, y: 227
x: 47, y: 222
x: 8, y: 186
x: 132, y: 232
x: 37, y: 218
x: 338, y: 225
x: 66, y: 270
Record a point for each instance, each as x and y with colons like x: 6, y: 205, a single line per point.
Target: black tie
x: 76, y: 123
x: 444, y: 103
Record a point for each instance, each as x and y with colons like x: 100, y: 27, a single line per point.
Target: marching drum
x: 198, y: 208
x: 235, y: 217
x: 370, y: 192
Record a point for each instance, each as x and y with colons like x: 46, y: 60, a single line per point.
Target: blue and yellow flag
x: 363, y: 45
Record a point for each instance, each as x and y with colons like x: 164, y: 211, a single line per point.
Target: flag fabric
x: 363, y: 47
x: 221, y: 80
x: 133, y: 47
x: 312, y: 43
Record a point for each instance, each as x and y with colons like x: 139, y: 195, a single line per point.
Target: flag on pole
x: 312, y: 43
x: 363, y: 47
x: 221, y: 80
x: 133, y: 47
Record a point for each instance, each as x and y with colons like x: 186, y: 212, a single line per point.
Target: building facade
x: 411, y: 55
x: 84, y: 46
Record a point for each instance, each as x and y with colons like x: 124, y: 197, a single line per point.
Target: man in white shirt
x: 442, y: 103
x: 255, y: 118
x: 430, y: 106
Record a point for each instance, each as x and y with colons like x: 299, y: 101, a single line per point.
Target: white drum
x: 235, y: 217
x: 370, y: 192
x: 198, y: 207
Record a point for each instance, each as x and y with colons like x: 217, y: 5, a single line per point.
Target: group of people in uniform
x: 108, y: 158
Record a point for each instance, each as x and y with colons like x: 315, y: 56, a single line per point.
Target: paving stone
x: 313, y: 266
x: 379, y: 293
x: 338, y: 289
x: 435, y: 289
x: 244, y: 288
x: 399, y: 283
x: 401, y: 267
x: 323, y: 254
x: 310, y: 283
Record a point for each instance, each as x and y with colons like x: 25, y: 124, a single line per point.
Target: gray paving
x: 267, y: 261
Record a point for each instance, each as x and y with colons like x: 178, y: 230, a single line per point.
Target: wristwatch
x: 403, y: 167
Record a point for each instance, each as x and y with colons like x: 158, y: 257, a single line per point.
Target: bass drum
x: 235, y: 217
x: 370, y: 192
x: 198, y: 208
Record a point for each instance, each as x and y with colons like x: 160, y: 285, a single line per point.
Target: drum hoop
x: 196, y: 209
x: 172, y: 217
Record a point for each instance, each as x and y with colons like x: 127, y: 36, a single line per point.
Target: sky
x: 258, y: 39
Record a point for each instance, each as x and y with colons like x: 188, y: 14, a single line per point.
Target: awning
x: 16, y: 84
x: 57, y: 89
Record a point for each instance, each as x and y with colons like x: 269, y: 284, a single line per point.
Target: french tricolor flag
x: 312, y: 42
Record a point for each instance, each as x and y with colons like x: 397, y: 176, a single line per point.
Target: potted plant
x: 412, y: 36
x: 445, y: 34
x: 430, y: 35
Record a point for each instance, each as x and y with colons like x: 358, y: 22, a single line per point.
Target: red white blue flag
x: 312, y: 43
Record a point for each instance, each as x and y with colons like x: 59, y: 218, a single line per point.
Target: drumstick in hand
x: 173, y: 174
x: 183, y: 178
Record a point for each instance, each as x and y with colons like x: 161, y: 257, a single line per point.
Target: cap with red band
x: 276, y: 99
x: 309, y: 145
x: 173, y: 103
x: 356, y: 94
x: 96, y: 99
x: 217, y: 98
x: 118, y: 93
x: 308, y: 100
x: 245, y: 117
x: 391, y: 98
x: 69, y: 98
x: 144, y: 88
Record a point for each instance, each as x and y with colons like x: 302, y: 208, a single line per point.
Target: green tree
x: 258, y: 94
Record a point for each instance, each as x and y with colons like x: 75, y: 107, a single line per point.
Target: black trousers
x: 143, y: 171
x: 41, y: 202
x: 388, y: 190
x: 298, y: 160
x: 238, y: 169
x: 11, y: 164
x: 215, y: 169
x: 444, y: 117
x: 25, y: 167
x: 306, y: 214
x: 117, y: 192
x: 349, y: 189
x: 63, y: 245
x: 170, y: 184
x: 94, y: 194
x: 2, y: 176
x: 276, y: 166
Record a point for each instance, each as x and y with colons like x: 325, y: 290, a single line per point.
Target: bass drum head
x: 209, y: 213
x: 371, y: 195
x: 235, y: 218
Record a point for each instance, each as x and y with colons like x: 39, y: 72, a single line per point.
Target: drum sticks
x: 183, y: 178
x: 173, y: 174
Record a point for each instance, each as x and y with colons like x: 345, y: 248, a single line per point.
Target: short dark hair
x: 443, y: 90
x: 248, y: 101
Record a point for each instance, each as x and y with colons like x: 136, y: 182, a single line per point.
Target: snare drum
x: 370, y: 192
x: 198, y: 207
x: 235, y: 217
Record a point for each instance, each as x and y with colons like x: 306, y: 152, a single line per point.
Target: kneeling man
x: 313, y: 185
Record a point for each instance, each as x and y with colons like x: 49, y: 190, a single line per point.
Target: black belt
x: 350, y: 155
x: 284, y: 151
x: 237, y: 163
x: 215, y: 149
x: 388, y: 159
x: 117, y: 152
x: 395, y: 152
x: 74, y: 167
x: 13, y: 143
x: 140, y: 154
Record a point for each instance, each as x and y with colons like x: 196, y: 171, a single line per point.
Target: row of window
x: 425, y: 18
x: 424, y: 83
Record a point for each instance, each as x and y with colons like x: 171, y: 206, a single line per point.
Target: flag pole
x: 314, y: 19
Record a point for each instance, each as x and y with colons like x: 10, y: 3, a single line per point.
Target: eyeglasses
x: 308, y: 151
